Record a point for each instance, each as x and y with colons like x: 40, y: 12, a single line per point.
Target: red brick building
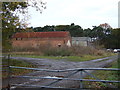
x: 37, y: 39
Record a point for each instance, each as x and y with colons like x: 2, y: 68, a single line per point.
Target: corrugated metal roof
x: 81, y: 38
x: 41, y: 34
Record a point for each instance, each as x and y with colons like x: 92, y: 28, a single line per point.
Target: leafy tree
x: 37, y: 29
x: 62, y: 28
x: 75, y: 30
x: 112, y: 41
x: 10, y: 18
x: 87, y: 32
x: 97, y: 32
x: 48, y: 28
x: 10, y: 21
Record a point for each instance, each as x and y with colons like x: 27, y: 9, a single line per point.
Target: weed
x: 104, y: 75
x: 48, y: 50
x: 18, y: 63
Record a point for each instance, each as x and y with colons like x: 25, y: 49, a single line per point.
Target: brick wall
x: 37, y: 42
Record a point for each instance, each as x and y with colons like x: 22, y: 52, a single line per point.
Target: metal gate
x: 80, y: 71
x: 66, y: 77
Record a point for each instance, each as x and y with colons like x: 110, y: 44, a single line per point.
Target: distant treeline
x: 102, y: 34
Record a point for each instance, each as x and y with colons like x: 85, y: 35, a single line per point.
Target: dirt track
x: 58, y: 65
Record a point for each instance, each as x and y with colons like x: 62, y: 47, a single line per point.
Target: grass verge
x: 13, y: 62
x: 67, y: 58
x: 105, y: 75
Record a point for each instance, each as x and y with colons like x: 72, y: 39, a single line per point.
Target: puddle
x: 35, y: 79
x: 51, y: 77
x: 45, y: 78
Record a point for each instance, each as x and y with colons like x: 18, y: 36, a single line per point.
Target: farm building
x: 82, y: 41
x: 37, y: 39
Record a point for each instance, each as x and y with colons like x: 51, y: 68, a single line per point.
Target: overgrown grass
x: 48, y: 50
x: 13, y: 62
x: 105, y: 75
x: 74, y: 53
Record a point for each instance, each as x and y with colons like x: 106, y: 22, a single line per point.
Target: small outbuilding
x: 81, y: 41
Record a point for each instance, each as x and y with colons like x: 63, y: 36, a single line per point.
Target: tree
x: 112, y: 41
x: 10, y: 21
x: 10, y: 18
x: 87, y: 32
x: 75, y: 30
x: 62, y: 28
x: 48, y: 28
x: 37, y: 29
x: 106, y: 28
x: 107, y: 36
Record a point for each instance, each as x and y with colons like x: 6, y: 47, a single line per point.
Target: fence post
x: 9, y: 71
x: 118, y: 54
x: 81, y: 77
x: 118, y: 67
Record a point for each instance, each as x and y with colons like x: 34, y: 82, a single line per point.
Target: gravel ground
x: 57, y: 65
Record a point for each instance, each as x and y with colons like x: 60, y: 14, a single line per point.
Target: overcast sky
x: 86, y: 13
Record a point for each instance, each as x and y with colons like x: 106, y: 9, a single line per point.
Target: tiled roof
x: 41, y: 34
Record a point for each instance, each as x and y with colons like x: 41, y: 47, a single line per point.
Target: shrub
x: 57, y: 51
x: 49, y: 50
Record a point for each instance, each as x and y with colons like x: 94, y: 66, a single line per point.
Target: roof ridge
x: 41, y: 34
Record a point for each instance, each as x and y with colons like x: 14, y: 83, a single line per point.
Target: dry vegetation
x: 47, y: 50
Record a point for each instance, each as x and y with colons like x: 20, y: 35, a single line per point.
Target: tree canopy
x: 10, y: 18
x: 112, y: 41
x: 75, y: 30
